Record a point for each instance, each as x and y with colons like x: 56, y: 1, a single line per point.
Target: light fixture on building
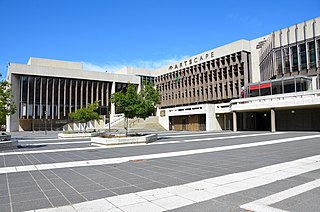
x: 293, y: 112
x: 265, y: 115
x: 218, y: 115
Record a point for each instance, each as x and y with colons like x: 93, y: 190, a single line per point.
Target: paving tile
x: 98, y: 194
x: 151, y: 185
x: 57, y: 201
x: 126, y: 199
x: 94, y: 206
x: 142, y: 207
x: 206, y: 206
x: 88, y: 187
x: 22, y: 190
x: 172, y: 202
x: 27, y: 197
x: 125, y: 190
x: 4, y: 199
x: 74, y: 198
x: 5, y: 208
x: 114, y: 184
x: 29, y: 205
x: 52, y: 193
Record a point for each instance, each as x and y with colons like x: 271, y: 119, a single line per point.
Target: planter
x: 75, y: 135
x: 125, y: 140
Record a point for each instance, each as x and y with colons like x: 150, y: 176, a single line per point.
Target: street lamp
x: 45, y: 122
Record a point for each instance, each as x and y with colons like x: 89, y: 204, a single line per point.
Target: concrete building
x: 199, y: 93
x: 255, y: 84
x: 48, y: 90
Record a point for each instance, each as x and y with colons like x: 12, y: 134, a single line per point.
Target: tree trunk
x: 126, y: 121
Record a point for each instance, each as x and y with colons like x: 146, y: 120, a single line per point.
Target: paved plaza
x: 182, y: 171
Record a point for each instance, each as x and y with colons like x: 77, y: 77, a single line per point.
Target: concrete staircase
x: 139, y: 125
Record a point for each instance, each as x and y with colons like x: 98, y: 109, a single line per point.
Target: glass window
x: 31, y: 97
x: 50, y: 84
x: 303, y: 56
x: 312, y: 54
x: 61, y: 97
x: 44, y: 95
x: 78, y: 93
x: 67, y: 82
x: 279, y: 62
x: 286, y: 60
x: 318, y: 41
x: 84, y: 93
x: 94, y: 91
x: 294, y: 55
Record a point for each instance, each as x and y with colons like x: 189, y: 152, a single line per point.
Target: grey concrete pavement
x: 28, y: 190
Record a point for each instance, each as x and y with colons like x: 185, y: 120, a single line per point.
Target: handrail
x: 119, y: 118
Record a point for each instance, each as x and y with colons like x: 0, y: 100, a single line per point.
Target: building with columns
x: 48, y: 90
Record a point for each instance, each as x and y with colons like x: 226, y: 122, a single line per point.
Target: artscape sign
x: 192, y: 61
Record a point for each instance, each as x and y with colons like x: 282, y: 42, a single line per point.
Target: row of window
x: 306, y: 54
x: 58, y: 97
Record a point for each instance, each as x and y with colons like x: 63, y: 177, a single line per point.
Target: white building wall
x: 212, y: 123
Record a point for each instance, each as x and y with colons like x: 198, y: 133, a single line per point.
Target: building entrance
x: 190, y: 122
x: 259, y: 121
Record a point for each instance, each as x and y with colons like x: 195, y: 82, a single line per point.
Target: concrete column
x: 273, y: 120
x: 234, y: 114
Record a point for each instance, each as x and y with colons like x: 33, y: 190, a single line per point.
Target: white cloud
x: 147, y: 64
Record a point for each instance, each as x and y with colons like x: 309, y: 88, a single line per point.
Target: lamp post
x: 45, y: 122
x: 109, y: 119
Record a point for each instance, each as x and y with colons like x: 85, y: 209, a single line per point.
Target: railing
x: 228, y: 107
x: 118, y: 118
x: 302, y: 94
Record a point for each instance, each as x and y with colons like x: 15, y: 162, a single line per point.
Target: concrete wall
x: 54, y: 63
x: 208, y: 109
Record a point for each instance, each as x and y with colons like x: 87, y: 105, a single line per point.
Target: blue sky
x: 108, y: 34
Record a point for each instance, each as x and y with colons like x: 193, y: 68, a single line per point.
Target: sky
x: 110, y: 34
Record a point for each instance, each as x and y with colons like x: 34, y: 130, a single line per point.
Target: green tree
x: 7, y: 107
x: 136, y: 105
x: 84, y: 115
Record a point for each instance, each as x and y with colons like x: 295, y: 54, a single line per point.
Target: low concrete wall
x: 8, y: 145
x: 5, y: 137
x: 75, y: 135
x: 125, y: 140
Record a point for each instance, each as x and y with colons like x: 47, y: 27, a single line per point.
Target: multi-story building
x: 192, y: 90
x: 215, y: 90
x: 46, y: 91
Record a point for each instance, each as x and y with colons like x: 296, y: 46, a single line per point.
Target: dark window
x: 73, y: 94
x: 94, y: 91
x: 303, y: 55
x: 61, y: 97
x: 84, y: 93
x: 312, y: 54
x: 67, y: 82
x: 44, y: 95
x: 294, y: 55
x: 55, y: 97
x: 31, y: 97
x: 78, y: 94
x: 49, y: 108
x: 286, y: 60
x: 279, y: 62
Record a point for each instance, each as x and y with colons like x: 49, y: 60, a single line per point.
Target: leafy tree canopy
x: 7, y: 107
x: 136, y: 105
x: 84, y: 115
